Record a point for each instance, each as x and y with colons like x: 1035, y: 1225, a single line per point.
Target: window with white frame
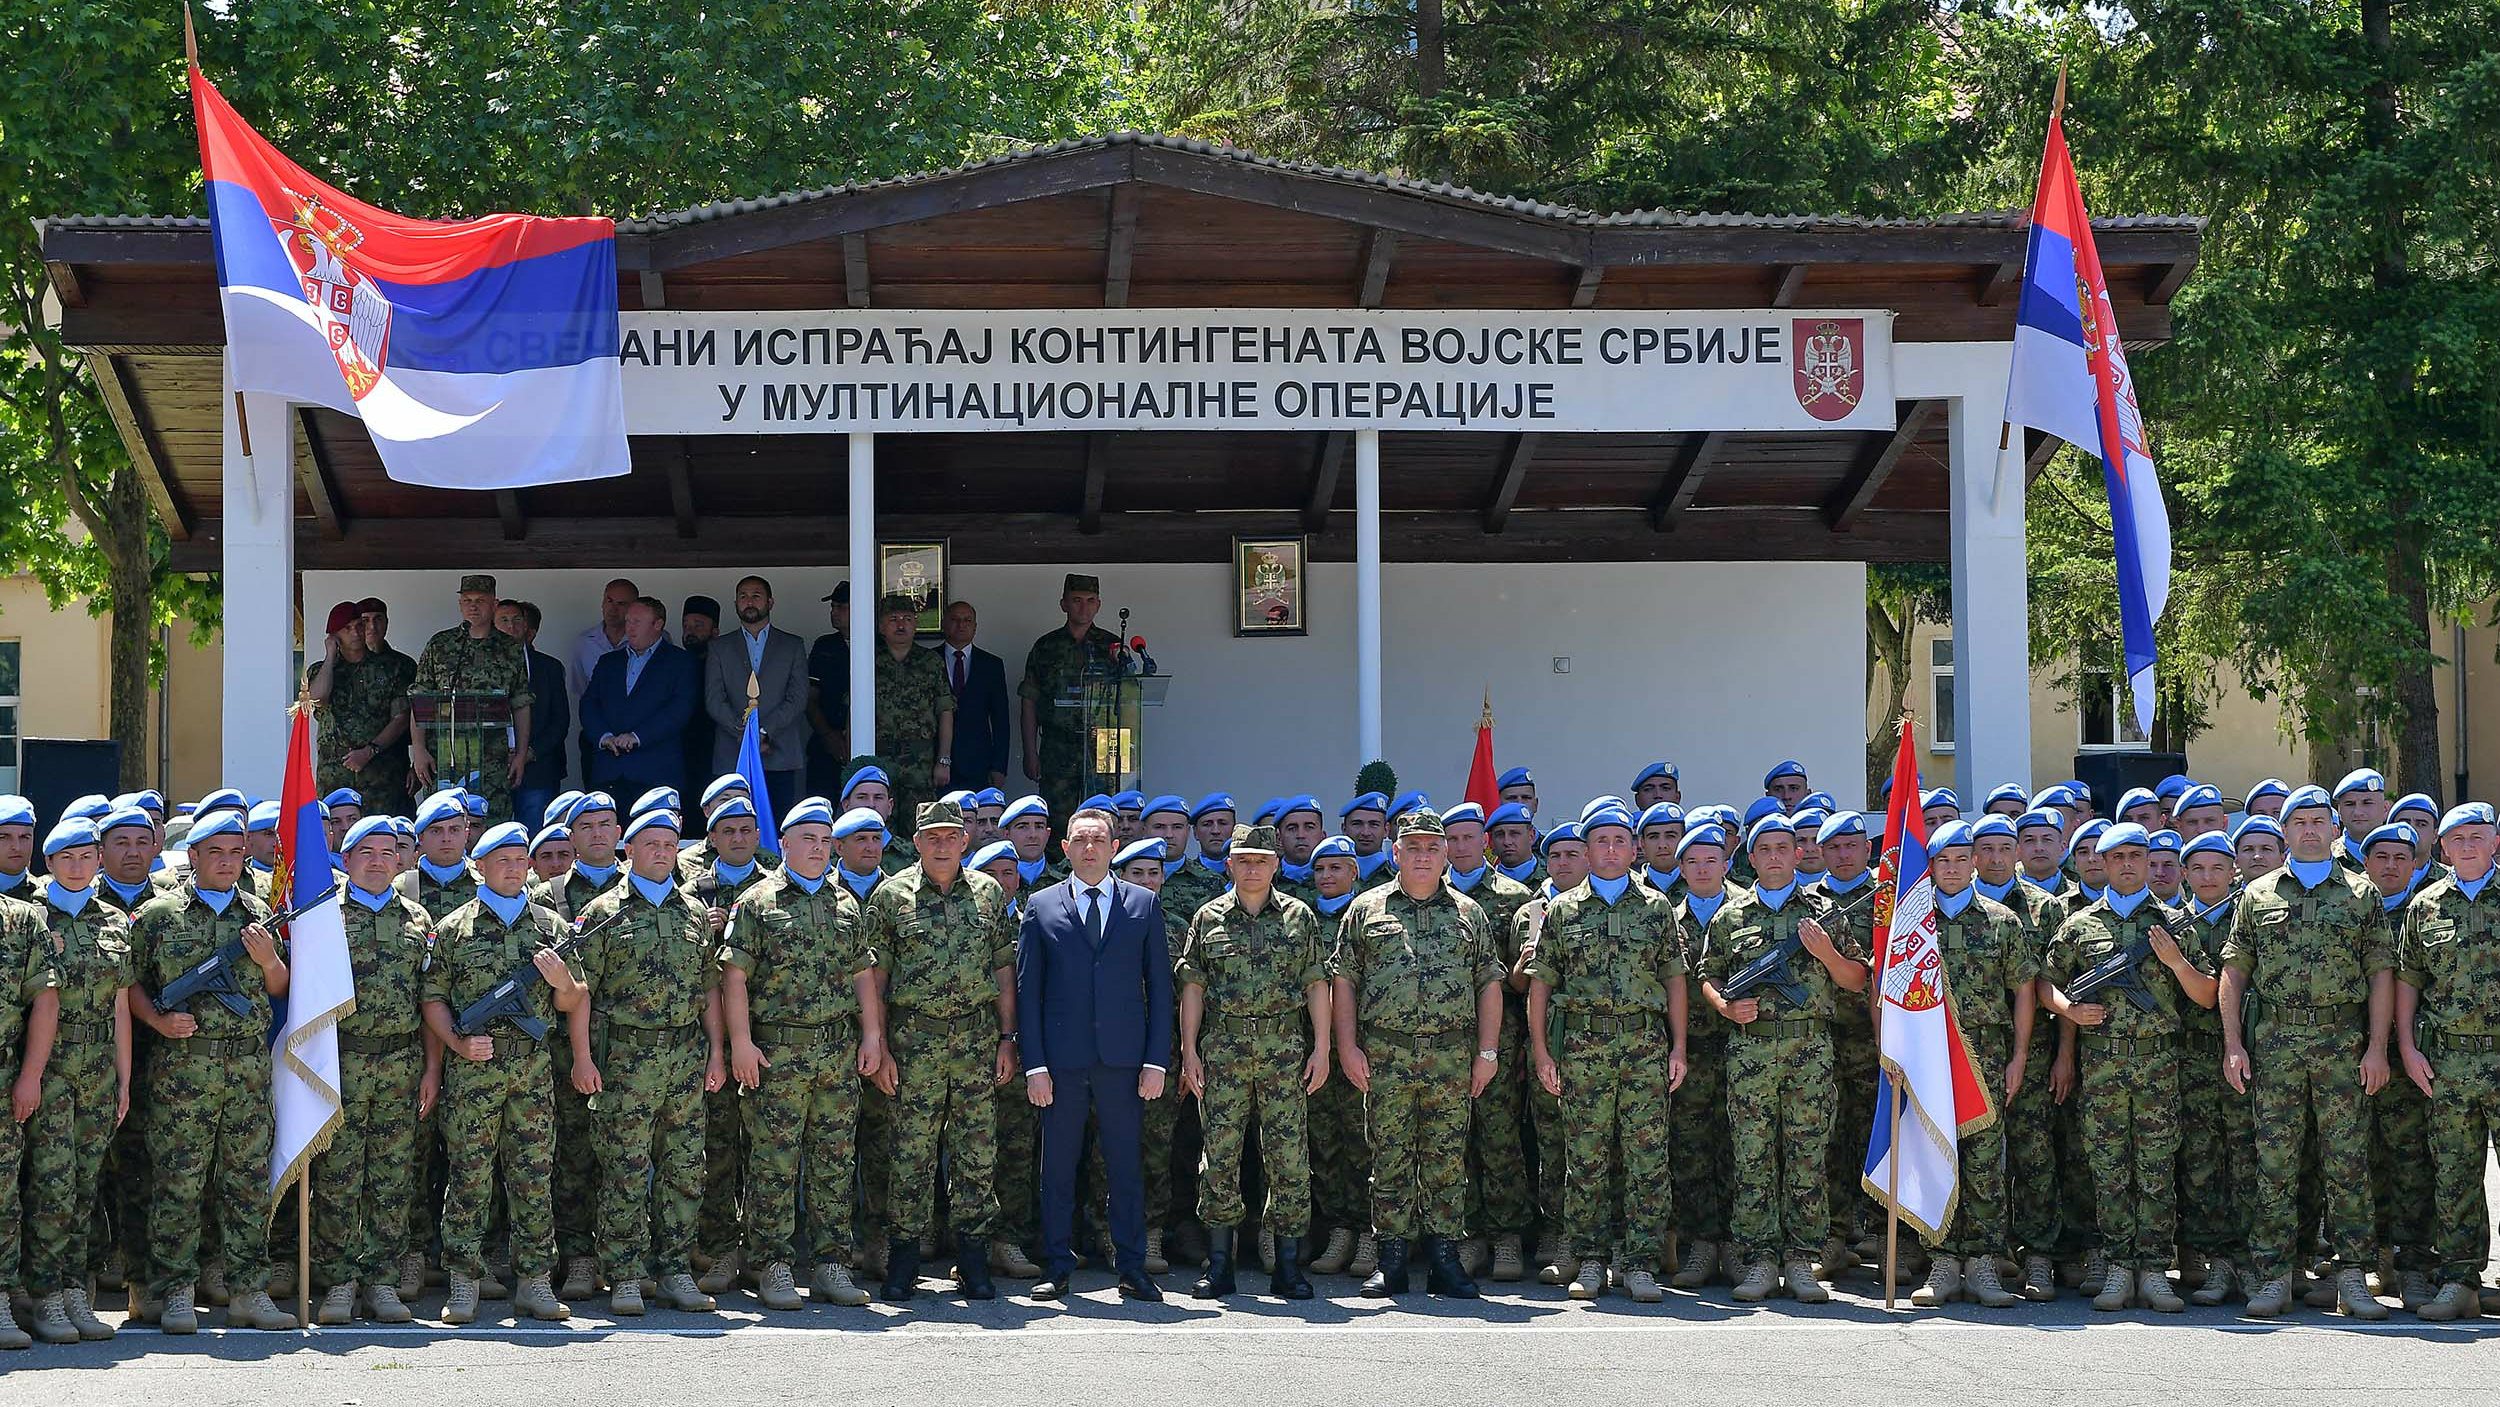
x: 2105, y: 710
x: 1940, y: 694
x: 8, y: 714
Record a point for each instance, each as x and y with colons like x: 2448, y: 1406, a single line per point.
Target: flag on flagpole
x: 1927, y: 1064
x: 480, y: 354
x: 1480, y: 775
x: 321, y: 981
x: 751, y: 767
x: 2070, y: 379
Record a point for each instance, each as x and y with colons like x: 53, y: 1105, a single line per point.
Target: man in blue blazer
x: 979, y: 681
x: 635, y: 711
x: 1094, y: 1007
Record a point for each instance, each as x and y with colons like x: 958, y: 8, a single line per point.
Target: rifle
x: 508, y: 1000
x: 1769, y: 970
x: 213, y: 976
x: 2117, y: 971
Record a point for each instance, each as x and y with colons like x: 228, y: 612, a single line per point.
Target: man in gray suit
x: 777, y: 661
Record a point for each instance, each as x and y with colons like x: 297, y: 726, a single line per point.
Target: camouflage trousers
x: 429, y: 1184
x: 126, y: 1180
x: 2464, y: 1120
x: 800, y: 1126
x: 724, y: 1171
x: 65, y: 1143
x: 12, y: 1166
x: 1501, y: 1197
x: 2129, y: 1088
x: 2300, y: 1073
x: 1254, y: 1080
x: 1705, y: 1167
x: 649, y: 1115
x: 1616, y: 1108
x: 1779, y: 1119
x: 370, y: 1167
x: 498, y: 1120
x: 2402, y: 1173
x: 2032, y: 1173
x: 1062, y: 780
x: 1854, y: 1071
x: 2217, y: 1150
x: 2078, y: 1209
x: 383, y: 784
x: 875, y: 1142
x: 1982, y: 1222
x: 1415, y: 1119
x: 1341, y: 1157
x: 1016, y: 1178
x: 576, y: 1155
x: 208, y: 1141
x: 945, y: 1094
x: 1547, y: 1127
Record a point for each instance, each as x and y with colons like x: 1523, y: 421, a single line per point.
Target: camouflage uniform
x: 1779, y: 1077
x: 799, y: 951
x: 1500, y: 1197
x: 874, y: 1131
x: 365, y: 695
x: 2127, y: 1079
x: 2451, y: 956
x: 2403, y: 1172
x: 2308, y: 955
x: 28, y: 970
x: 942, y: 951
x: 1987, y: 960
x: 397, y: 673
x: 1703, y: 1163
x: 360, y: 1200
x: 454, y: 660
x: 1417, y: 966
x: 1254, y: 969
x: 1545, y: 1112
x: 576, y: 1142
x: 1341, y: 1159
x: 718, y: 1225
x: 125, y: 1179
x: 912, y: 695
x: 1611, y: 968
x: 650, y: 975
x: 66, y: 1139
x: 2033, y: 1175
x: 1855, y: 1071
x: 1055, y: 664
x: 2218, y: 1131
x: 209, y: 1118
x: 498, y: 1113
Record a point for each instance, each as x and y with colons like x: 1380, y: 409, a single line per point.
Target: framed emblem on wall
x: 917, y: 570
x: 1270, y: 586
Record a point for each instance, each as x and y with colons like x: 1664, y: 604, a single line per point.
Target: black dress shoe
x: 1139, y: 1287
x: 1051, y: 1286
x: 902, y: 1268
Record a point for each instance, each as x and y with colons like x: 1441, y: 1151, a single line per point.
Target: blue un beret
x: 723, y: 785
x: 2011, y: 791
x: 1509, y: 813
x: 1463, y: 811
x: 434, y: 810
x: 1655, y: 769
x: 871, y: 773
x: 548, y: 836
x: 2359, y: 779
x: 1099, y: 801
x: 1941, y: 796
x: 1407, y: 801
x: 2200, y: 794
x: 2305, y: 797
x: 1268, y: 812
x: 1808, y: 820
x: 2133, y: 797
x: 1146, y: 848
x: 2085, y: 834
x: 509, y: 835
x: 1773, y: 824
x: 2255, y: 825
x: 857, y: 819
x: 590, y: 801
x: 1838, y: 824
x: 1212, y: 802
x: 1177, y: 805
x: 116, y: 820
x: 16, y: 811
x: 2123, y: 834
x: 994, y: 852
x: 1709, y: 833
x: 1566, y: 833
x: 1128, y: 800
x: 96, y: 808
x: 2172, y: 785
x: 1820, y: 800
x: 1515, y: 777
x: 654, y: 820
x: 1368, y: 801
x: 559, y: 809
x: 1024, y: 808
x: 1334, y: 847
x: 1302, y: 801
x: 1786, y: 767
x: 2469, y: 813
x: 224, y: 798
x: 2413, y: 801
x: 1596, y: 804
x: 989, y: 796
x: 1763, y: 806
x: 2165, y: 841
x: 2039, y: 818
x: 72, y: 830
x: 2210, y: 843
x: 263, y: 817
x: 1664, y: 813
x: 1994, y: 823
x: 1606, y: 816
x: 734, y: 807
x: 2270, y: 786
x: 656, y: 799
x: 2394, y: 831
x: 1951, y: 833
x: 2059, y: 795
x: 225, y: 822
x: 810, y: 811
x: 366, y: 829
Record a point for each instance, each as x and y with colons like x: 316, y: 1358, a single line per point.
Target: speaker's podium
x: 458, y: 724
x: 1109, y: 703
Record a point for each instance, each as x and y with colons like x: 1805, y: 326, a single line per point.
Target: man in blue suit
x: 1094, y: 1004
x: 979, y: 682
x: 634, y: 713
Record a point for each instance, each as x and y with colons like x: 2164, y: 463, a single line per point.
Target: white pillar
x: 1367, y: 745
x: 864, y: 579
x: 1991, y: 602
x: 259, y: 611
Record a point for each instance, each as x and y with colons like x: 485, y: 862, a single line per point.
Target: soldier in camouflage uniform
x: 2310, y: 943
x: 1779, y: 1063
x: 733, y: 866
x: 2217, y: 1133
x: 2032, y: 1169
x: 360, y: 703
x: 2450, y: 977
x: 1609, y: 958
x: 1192, y: 882
x: 2402, y: 1172
x: 2128, y: 1068
x: 389, y: 1075
x: 806, y: 1024
x: 1501, y: 1198
x: 653, y: 978
x: 1989, y: 968
x: 498, y: 1104
x: 85, y: 1085
x: 1511, y: 835
x: 1565, y: 863
x: 1413, y: 964
x: 596, y: 868
x: 30, y: 1010
x: 1704, y: 1163
x: 473, y: 657
x: 1341, y: 1172
x: 1250, y: 969
x: 208, y: 1085
x: 859, y: 844
x: 1850, y: 885
x: 947, y: 952
x: 915, y: 708
x: 1054, y: 737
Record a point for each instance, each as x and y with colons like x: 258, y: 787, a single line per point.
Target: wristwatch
x: 1490, y: 1056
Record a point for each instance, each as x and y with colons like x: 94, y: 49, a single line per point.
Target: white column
x: 1991, y: 601
x: 864, y: 577
x: 1367, y: 745
x: 259, y: 611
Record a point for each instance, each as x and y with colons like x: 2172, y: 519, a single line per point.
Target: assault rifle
x: 1769, y: 970
x: 2117, y: 972
x: 213, y: 976
x: 509, y: 1000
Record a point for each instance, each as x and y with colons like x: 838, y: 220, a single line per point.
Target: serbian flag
x: 2070, y: 379
x: 1481, y: 788
x: 480, y: 354
x: 751, y: 767
x: 321, y: 981
x: 1928, y: 1069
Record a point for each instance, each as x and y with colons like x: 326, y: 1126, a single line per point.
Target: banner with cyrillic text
x: 697, y: 373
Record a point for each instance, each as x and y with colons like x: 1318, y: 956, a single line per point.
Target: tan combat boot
x: 1157, y: 1263
x: 253, y: 1309
x: 1590, y: 1282
x: 1366, y: 1256
x: 82, y: 1315
x: 178, y: 1314
x: 1944, y: 1283
x: 1838, y: 1259
x: 2413, y: 1288
x: 680, y: 1292
x: 2219, y: 1276
x: 833, y: 1285
x: 11, y: 1336
x: 282, y: 1280
x: 384, y: 1306
x: 581, y: 1278
x: 2117, y: 1287
x: 1985, y: 1286
x: 2095, y: 1272
x: 412, y: 1275
x: 2315, y: 1287
x: 496, y: 1283
x: 1803, y: 1287
x: 625, y: 1299
x: 213, y: 1290
x: 1509, y: 1261
x: 1008, y: 1258
x: 2039, y: 1279
x: 2352, y: 1295
x: 1553, y: 1259
x: 52, y: 1321
x: 536, y: 1298
x: 1699, y: 1262
x: 1642, y: 1286
x: 2152, y: 1289
x: 1333, y: 1258
x: 2270, y: 1300
x: 1474, y: 1256
x: 2454, y: 1301
x: 460, y: 1305
x: 1267, y: 1249
x: 775, y: 1290
x: 1761, y: 1278
x: 338, y: 1306
x: 722, y: 1275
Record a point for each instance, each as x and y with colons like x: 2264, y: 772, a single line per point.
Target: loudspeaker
x: 53, y: 772
x: 2110, y: 774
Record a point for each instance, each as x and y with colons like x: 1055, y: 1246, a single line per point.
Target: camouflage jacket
x: 798, y: 951
x: 1986, y: 959
x: 1614, y: 959
x: 1188, y: 886
x: 2451, y: 954
x: 653, y: 968
x: 1052, y: 666
x: 431, y: 894
x: 912, y: 694
x: 695, y: 865
x: 1416, y: 964
x: 365, y: 695
x: 389, y: 950
x: 1500, y: 897
x: 1702, y: 1022
x: 176, y: 930
x: 941, y: 950
x: 398, y: 674
x: 454, y: 659
x: 474, y: 950
x: 90, y: 955
x: 27, y: 966
x: 1745, y: 927
x: 2202, y: 943
x: 1851, y: 1012
x: 1252, y: 965
x: 577, y: 889
x: 2096, y: 931
x: 2308, y: 947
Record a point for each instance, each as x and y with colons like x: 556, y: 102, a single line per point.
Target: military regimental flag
x: 751, y: 767
x: 1927, y: 1066
x: 1482, y: 788
x: 321, y: 981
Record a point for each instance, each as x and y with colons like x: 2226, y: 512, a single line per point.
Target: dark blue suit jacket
x: 657, y: 709
x: 980, y: 718
x: 1078, y: 1007
x: 551, y: 723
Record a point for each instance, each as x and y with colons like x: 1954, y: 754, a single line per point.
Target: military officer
x: 1703, y: 1166
x: 1300, y: 827
x: 1511, y: 835
x: 1340, y: 1157
x: 2401, y: 1172
x: 1026, y: 824
x: 551, y: 853
x: 1501, y: 1200
x: 1661, y: 831
x: 30, y: 1012
x: 595, y: 829
x: 1191, y: 882
x: 735, y: 864
x: 1657, y: 782
x: 1565, y: 864
x: 2216, y: 1135
x: 1016, y: 1177
x: 2257, y: 844
x: 442, y: 869
x: 2199, y: 811
x: 17, y: 846
x: 360, y: 703
x: 2361, y: 805
x: 1785, y: 783
x: 1850, y: 885
x: 1365, y: 821
x: 915, y: 706
x: 1516, y: 786
x: 2006, y: 853
x: 2450, y: 980
x: 1141, y: 862
x: 488, y: 670
x: 1054, y: 737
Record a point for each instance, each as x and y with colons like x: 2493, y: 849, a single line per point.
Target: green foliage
x: 1376, y: 776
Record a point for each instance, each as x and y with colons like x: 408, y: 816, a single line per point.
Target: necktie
x: 1093, y: 916
x: 959, y: 673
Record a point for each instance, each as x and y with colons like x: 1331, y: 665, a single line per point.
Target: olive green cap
x: 1254, y: 840
x: 938, y: 816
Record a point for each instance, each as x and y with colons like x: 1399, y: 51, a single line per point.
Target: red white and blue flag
x: 321, y: 979
x: 480, y: 354
x: 1927, y: 1064
x: 2070, y: 379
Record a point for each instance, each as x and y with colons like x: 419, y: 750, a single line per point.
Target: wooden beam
x: 1327, y: 462
x: 1787, y: 281
x: 1584, y: 287
x: 855, y: 269
x: 1381, y: 207
x: 2166, y: 285
x: 1119, y: 245
x: 681, y: 489
x: 1097, y: 470
x: 2001, y: 281
x: 654, y: 289
x: 139, y: 441
x: 66, y: 284
x: 2039, y: 447
x: 508, y: 508
x: 1380, y: 249
x: 1683, y: 480
x: 312, y: 465
x: 1875, y: 465
x: 1516, y: 456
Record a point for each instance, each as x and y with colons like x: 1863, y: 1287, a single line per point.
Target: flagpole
x: 1892, y: 1196
x: 303, y: 1241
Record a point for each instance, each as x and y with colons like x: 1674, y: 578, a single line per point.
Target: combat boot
x: 1761, y: 1278
x: 1508, y: 1263
x: 2383, y: 1275
x: 1985, y: 1286
x: 1157, y: 1263
x: 178, y: 1314
x: 1837, y: 1260
x: 1553, y: 1259
x: 2095, y: 1272
x: 1642, y: 1286
x: 1474, y: 1256
x: 1217, y: 1282
x: 2217, y: 1286
x: 460, y: 1305
x: 1944, y: 1283
x: 2271, y: 1299
x: 1267, y: 1250
x: 833, y: 1285
x: 1698, y: 1263
x: 1286, y: 1280
x: 52, y: 1321
x: 2352, y: 1295
x: 1590, y: 1282
x: 683, y: 1295
x: 902, y: 1268
x: 2454, y: 1301
x: 411, y: 1275
x: 774, y: 1289
x: 535, y: 1296
x: 2413, y: 1288
x: 384, y: 1306
x: 2152, y: 1289
x: 581, y: 1278
x: 1008, y: 1258
x: 1447, y: 1277
x: 2117, y: 1287
x: 1366, y: 1260
x: 1389, y: 1280
x: 252, y: 1309
x: 2316, y: 1290
x: 213, y: 1290
x: 723, y: 1275
x: 1333, y: 1258
x: 972, y: 1267
x: 82, y: 1316
x: 1802, y: 1286
x: 11, y: 1336
x: 338, y: 1306
x: 2039, y: 1279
